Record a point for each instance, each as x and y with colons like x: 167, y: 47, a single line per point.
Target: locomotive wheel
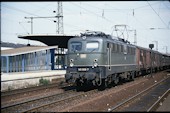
x: 133, y: 76
x: 79, y: 85
x: 116, y: 81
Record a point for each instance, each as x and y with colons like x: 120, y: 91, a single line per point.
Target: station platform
x: 10, y: 81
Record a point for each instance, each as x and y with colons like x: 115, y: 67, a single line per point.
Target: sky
x: 150, y: 19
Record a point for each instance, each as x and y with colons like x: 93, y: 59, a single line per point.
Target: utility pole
x: 36, y: 18
x: 31, y: 23
x: 151, y: 46
x: 24, y: 28
x: 31, y: 27
x: 135, y: 38
x: 59, y: 18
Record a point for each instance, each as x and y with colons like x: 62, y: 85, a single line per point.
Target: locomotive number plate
x: 83, y: 69
x: 82, y: 55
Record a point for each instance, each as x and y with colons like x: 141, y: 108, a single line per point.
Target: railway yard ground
x: 145, y: 93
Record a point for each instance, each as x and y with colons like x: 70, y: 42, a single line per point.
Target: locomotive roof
x: 106, y: 37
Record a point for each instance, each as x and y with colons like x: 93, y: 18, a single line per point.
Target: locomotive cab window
x: 92, y: 46
x: 76, y: 46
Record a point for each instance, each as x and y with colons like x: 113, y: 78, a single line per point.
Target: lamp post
x: 151, y: 46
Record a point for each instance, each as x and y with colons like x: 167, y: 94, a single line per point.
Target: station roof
x: 50, y: 40
x: 24, y: 50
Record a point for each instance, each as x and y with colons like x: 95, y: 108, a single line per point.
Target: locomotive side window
x: 125, y: 49
x: 133, y: 52
x: 122, y: 48
x: 107, y: 45
x: 92, y: 46
x: 113, y: 47
x: 76, y: 46
x: 118, y: 48
x: 129, y: 50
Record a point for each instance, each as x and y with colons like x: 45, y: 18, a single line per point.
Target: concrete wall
x: 24, y: 80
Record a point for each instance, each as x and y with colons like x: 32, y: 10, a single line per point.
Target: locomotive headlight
x: 71, y: 60
x: 71, y: 64
x: 95, y: 64
x: 95, y: 60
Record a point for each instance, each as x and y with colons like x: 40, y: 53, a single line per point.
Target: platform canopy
x: 50, y: 40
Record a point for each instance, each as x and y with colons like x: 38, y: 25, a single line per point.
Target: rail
x: 157, y: 103
x: 135, y: 96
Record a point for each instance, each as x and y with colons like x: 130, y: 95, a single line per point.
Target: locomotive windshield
x: 92, y: 46
x: 76, y: 46
x: 84, y: 46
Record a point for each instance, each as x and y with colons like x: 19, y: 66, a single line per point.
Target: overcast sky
x: 86, y: 15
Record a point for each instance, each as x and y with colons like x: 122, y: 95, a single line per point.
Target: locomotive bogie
x: 85, y: 74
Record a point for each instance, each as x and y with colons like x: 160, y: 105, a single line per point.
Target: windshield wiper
x: 75, y: 51
x: 92, y: 50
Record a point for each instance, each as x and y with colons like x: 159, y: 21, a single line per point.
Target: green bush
x: 44, y: 81
x: 10, y: 88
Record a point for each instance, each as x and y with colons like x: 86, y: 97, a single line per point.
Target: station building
x: 25, y: 66
x: 32, y: 58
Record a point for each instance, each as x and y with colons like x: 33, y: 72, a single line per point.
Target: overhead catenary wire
x: 166, y: 5
x: 16, y: 9
x: 158, y: 15
x: 24, y: 27
x: 130, y: 9
x: 106, y: 9
x: 93, y: 13
x: 26, y: 12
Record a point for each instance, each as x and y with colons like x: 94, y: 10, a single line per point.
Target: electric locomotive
x: 99, y: 59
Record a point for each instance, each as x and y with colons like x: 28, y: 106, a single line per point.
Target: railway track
x: 139, y: 95
x: 20, y: 106
x: 155, y: 106
x: 40, y: 103
x: 34, y: 105
x: 44, y: 102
